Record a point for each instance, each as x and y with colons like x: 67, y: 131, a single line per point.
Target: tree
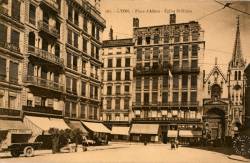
x: 55, y: 133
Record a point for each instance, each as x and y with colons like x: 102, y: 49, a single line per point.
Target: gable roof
x: 216, y: 68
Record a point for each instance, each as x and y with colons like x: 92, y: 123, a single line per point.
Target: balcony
x: 44, y: 83
x: 10, y: 46
x: 150, y: 71
x: 168, y: 104
x: 52, y: 4
x: 186, y: 70
x: 169, y: 120
x: 9, y: 112
x: 41, y: 110
x: 42, y: 54
x: 3, y: 10
x: 51, y: 30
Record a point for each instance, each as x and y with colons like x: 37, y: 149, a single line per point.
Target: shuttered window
x: 3, y: 35
x: 13, y: 72
x: 15, y: 38
x: 2, y: 69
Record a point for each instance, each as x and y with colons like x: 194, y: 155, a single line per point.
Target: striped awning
x: 96, y: 127
x: 172, y: 133
x: 190, y: 133
x: 117, y: 130
x: 151, y: 129
x: 14, y: 126
x: 77, y: 125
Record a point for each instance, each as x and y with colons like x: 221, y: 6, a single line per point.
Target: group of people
x: 174, y: 144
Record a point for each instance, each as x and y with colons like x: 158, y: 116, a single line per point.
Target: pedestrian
x: 176, y: 143
x: 172, y: 145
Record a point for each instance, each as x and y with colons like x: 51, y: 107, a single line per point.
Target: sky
x: 219, y: 27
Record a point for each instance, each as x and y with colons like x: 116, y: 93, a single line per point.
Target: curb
x: 238, y: 158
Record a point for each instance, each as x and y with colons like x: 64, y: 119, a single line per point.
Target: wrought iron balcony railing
x: 45, y: 55
x: 48, y: 28
x: 169, y: 104
x: 51, y: 3
x: 185, y: 69
x: 168, y: 119
x: 9, y: 46
x: 34, y: 80
x: 10, y: 112
x: 42, y: 109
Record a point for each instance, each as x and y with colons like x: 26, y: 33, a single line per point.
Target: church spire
x: 237, y: 59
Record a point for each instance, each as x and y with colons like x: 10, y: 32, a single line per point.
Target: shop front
x: 189, y: 137
x: 120, y: 133
x: 144, y: 132
x: 13, y: 131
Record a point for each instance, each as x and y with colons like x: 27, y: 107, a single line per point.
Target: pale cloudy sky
x: 219, y: 27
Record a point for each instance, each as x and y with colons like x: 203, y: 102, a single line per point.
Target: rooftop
x: 118, y: 42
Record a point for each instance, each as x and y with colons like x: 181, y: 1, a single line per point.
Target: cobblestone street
x: 153, y: 153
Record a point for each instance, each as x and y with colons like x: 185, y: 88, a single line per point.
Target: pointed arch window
x: 235, y: 75
x: 239, y: 75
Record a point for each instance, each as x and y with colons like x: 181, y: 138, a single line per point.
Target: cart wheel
x: 28, y: 151
x: 15, y: 153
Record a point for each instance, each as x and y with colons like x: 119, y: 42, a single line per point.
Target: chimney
x: 172, y: 18
x: 111, y: 34
x: 135, y: 22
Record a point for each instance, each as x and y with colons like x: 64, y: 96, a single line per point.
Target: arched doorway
x: 215, y: 123
x: 215, y: 92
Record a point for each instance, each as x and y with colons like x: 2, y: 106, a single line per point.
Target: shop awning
x: 15, y: 126
x: 96, y: 127
x: 144, y: 129
x: 77, y: 125
x: 120, y: 130
x: 190, y: 133
x: 43, y: 124
x: 172, y: 133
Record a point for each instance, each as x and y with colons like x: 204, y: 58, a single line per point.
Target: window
x: 146, y: 82
x: 118, y: 50
x: 73, y: 110
x: 176, y: 52
x: 2, y: 69
x: 185, y: 51
x: 155, y: 52
x: 155, y: 83
x: 76, y: 18
x: 29, y: 102
x: 126, y: 88
x: 175, y: 81
x: 239, y: 75
x: 15, y: 38
x: 139, y: 41
x: 109, y: 75
x: 83, y: 88
x: 83, y: 66
x: 67, y: 109
x: 74, y: 86
x: 93, y: 30
x: 185, y: 64
x: 118, y: 75
x: 12, y: 102
x: 148, y: 40
x: 3, y: 31
x: 32, y: 14
x: 126, y: 104
x: 138, y: 98
x: 109, y: 90
x: 185, y: 37
x: 146, y: 98
x: 194, y: 63
x: 70, y: 13
x: 75, y: 40
x: 118, y: 62
x: 127, y: 75
x: 85, y: 24
x: 118, y: 90
x: 184, y: 97
x: 166, y: 37
x: 15, y: 10
x: 147, y: 54
x: 138, y: 83
x: 110, y: 63
x: 68, y: 84
x: 139, y: 54
x: 68, y: 60
x: 108, y: 117
x: 75, y: 62
x: 127, y: 50
x: 165, y: 97
x: 96, y: 92
x: 195, y: 36
x: 156, y: 39
x: 83, y: 111
x: 97, y: 34
x: 193, y: 97
x: 175, y: 97
x: 194, y: 82
x: 165, y: 52
x: 235, y: 75
x: 194, y: 50
x: 177, y: 37
x: 127, y: 62
x: 176, y: 64
x: 69, y: 40
x: 154, y: 97
x: 84, y: 46
x: 165, y: 82
x: 109, y: 104
x: 13, y: 72
x: 117, y: 104
x: 184, y: 81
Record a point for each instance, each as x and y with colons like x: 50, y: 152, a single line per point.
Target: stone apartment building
x: 168, y: 80
x: 50, y: 63
x: 118, y: 63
